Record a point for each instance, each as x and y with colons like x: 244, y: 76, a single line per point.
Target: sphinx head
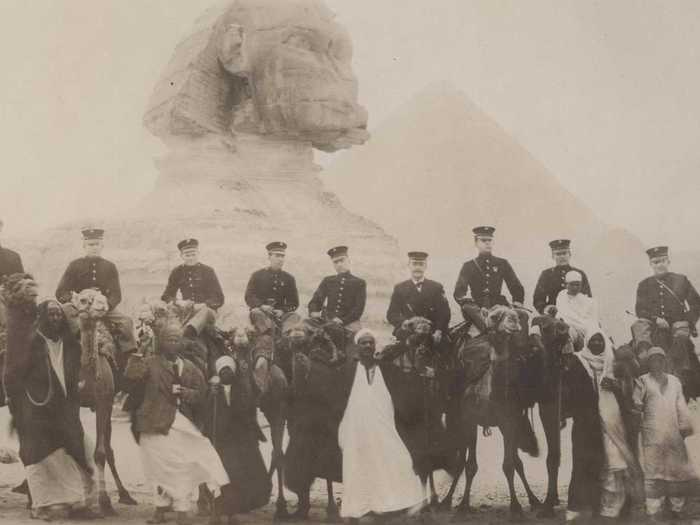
x: 295, y: 61
x: 279, y: 69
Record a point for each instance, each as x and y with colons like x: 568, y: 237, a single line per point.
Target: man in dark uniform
x: 340, y: 298
x: 419, y: 296
x: 92, y: 271
x: 484, y: 277
x: 10, y: 262
x: 198, y: 285
x: 272, y: 297
x: 271, y: 293
x: 666, y: 301
x: 553, y: 280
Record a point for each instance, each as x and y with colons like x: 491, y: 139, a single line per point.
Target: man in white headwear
x: 176, y: 457
x: 378, y: 471
x: 577, y: 309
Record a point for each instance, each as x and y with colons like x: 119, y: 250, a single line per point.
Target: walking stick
x: 215, y: 383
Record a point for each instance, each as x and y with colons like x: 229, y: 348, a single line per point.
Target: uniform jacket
x: 196, y: 283
x: 10, y: 262
x: 155, y: 376
x: 343, y: 296
x: 90, y: 272
x: 276, y: 288
x: 551, y: 282
x: 430, y: 302
x: 655, y: 300
x: 484, y: 277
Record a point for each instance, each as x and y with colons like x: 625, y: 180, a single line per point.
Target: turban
x: 223, y: 362
x: 43, y: 314
x: 171, y: 329
x: 573, y: 277
x: 362, y: 333
x: 655, y: 350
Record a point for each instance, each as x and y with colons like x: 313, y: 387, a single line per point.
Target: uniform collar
x: 484, y: 256
x: 417, y: 283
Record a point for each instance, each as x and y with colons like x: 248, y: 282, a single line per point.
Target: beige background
x: 603, y: 93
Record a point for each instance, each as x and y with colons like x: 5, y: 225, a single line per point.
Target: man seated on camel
x: 667, y: 303
x: 199, y: 287
x: 576, y: 309
x: 93, y: 271
x: 340, y: 298
x: 419, y: 297
x: 273, y: 299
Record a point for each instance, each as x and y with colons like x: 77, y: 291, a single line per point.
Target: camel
x: 310, y: 361
x: 551, y: 342
x: 431, y: 370
x: 272, y: 402
x: 98, y: 387
x: 493, y: 397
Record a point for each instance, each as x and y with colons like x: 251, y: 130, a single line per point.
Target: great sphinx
x: 244, y: 101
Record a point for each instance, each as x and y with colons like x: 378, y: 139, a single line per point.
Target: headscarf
x: 171, y: 328
x: 655, y: 350
x: 599, y: 365
x: 43, y: 317
x: 223, y: 362
x: 362, y: 333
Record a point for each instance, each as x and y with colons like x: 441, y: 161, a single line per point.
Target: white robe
x: 378, y: 471
x: 176, y: 463
x: 664, y: 413
x: 580, y: 312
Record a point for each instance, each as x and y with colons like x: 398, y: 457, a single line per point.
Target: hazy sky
x: 604, y: 93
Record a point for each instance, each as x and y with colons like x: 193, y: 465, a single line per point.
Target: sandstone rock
x: 241, y: 105
x: 266, y: 67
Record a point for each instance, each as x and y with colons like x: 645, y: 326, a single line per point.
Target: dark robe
x: 417, y: 420
x: 234, y: 432
x: 313, y: 450
x: 580, y: 402
x: 56, y: 423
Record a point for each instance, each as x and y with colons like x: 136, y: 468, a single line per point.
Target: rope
x: 49, y: 394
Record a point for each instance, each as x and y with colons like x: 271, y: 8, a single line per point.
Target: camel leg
x: 446, y: 503
x: 510, y: 450
x: 552, y: 432
x: 124, y: 496
x: 276, y: 420
x: 520, y: 469
x: 104, y: 398
x: 332, y: 514
x: 470, y: 470
x: 455, y: 426
x: 434, y: 500
x: 104, y: 413
x: 303, y: 506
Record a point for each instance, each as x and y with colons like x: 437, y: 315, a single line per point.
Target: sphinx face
x: 298, y: 69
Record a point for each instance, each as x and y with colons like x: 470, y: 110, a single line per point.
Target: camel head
x: 554, y: 330
x: 90, y: 303
x: 240, y: 337
x: 298, y: 336
x: 503, y: 320
x: 20, y: 291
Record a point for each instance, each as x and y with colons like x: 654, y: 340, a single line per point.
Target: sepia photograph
x: 349, y: 261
